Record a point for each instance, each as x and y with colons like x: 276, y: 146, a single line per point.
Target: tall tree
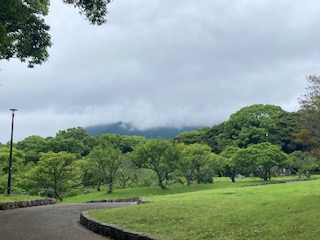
x: 17, y: 163
x: 106, y: 162
x: 310, y: 104
x: 230, y: 165
x: 32, y: 146
x: 73, y: 140
x: 24, y: 33
x: 57, y: 171
x: 161, y: 156
x: 196, y: 162
x: 262, y: 159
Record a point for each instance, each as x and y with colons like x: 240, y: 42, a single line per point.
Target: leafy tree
x: 124, y: 143
x: 210, y: 137
x: 24, y: 33
x: 73, y: 140
x: 128, y: 172
x: 58, y: 171
x: 195, y: 162
x: 310, y: 104
x: 32, y: 146
x: 303, y: 163
x: 161, y: 156
x: 191, y: 137
x: 288, y: 125
x: 106, y: 162
x: 230, y: 165
x: 17, y: 164
x: 262, y: 159
x: 251, y: 125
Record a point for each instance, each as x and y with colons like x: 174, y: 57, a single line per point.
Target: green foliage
x: 124, y: 143
x: 310, y: 104
x: 32, y: 146
x: 288, y: 124
x: 73, y: 140
x: 255, y: 124
x: 192, y: 136
x: 24, y: 33
x: 161, y: 156
x: 13, y: 198
x: 251, y: 125
x: 303, y: 163
x: 17, y: 166
x: 58, y: 171
x: 230, y: 165
x: 105, y: 163
x: 197, y: 163
x: 262, y: 159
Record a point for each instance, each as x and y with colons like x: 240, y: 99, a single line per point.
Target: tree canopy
x: 24, y: 33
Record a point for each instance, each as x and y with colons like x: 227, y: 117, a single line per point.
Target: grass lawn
x: 13, y: 198
x: 173, y: 189
x: 151, y: 191
x: 277, y: 211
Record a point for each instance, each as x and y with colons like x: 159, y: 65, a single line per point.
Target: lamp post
x: 10, y: 158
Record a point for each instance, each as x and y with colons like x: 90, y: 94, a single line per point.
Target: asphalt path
x: 56, y: 222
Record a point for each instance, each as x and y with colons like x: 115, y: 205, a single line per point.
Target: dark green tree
x: 73, y: 140
x: 24, y: 33
x: 32, y: 146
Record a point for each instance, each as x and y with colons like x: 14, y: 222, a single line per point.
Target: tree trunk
x: 110, y: 187
x: 188, y: 182
x: 233, y: 179
x: 162, y: 185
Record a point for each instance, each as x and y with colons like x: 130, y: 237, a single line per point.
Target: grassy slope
x: 281, y: 211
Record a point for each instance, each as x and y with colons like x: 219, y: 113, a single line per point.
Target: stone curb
x: 111, y: 230
x: 119, y: 200
x: 27, y: 203
x: 279, y: 182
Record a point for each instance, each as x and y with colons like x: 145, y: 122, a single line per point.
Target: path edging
x: 27, y: 203
x: 112, y: 231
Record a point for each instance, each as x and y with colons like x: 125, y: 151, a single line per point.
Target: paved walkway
x: 51, y: 222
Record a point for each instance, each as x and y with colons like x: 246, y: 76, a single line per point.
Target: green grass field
x: 226, y: 211
x: 173, y: 189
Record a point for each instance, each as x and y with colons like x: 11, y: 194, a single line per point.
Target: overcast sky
x: 163, y: 62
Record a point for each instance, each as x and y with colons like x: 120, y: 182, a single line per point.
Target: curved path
x: 59, y: 221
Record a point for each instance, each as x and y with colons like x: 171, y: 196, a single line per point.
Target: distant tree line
x: 258, y: 140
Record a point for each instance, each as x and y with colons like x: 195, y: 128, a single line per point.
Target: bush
x: 47, y: 192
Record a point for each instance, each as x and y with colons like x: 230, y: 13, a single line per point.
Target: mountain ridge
x: 128, y: 129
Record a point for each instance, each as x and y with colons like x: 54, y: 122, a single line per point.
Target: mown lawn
x: 152, y: 191
x: 278, y: 211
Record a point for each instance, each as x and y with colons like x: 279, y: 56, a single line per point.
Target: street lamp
x: 10, y: 158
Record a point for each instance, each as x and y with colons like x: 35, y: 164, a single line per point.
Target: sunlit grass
x: 278, y: 211
x: 172, y: 189
x: 13, y: 198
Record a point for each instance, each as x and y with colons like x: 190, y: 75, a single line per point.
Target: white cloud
x: 159, y: 63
